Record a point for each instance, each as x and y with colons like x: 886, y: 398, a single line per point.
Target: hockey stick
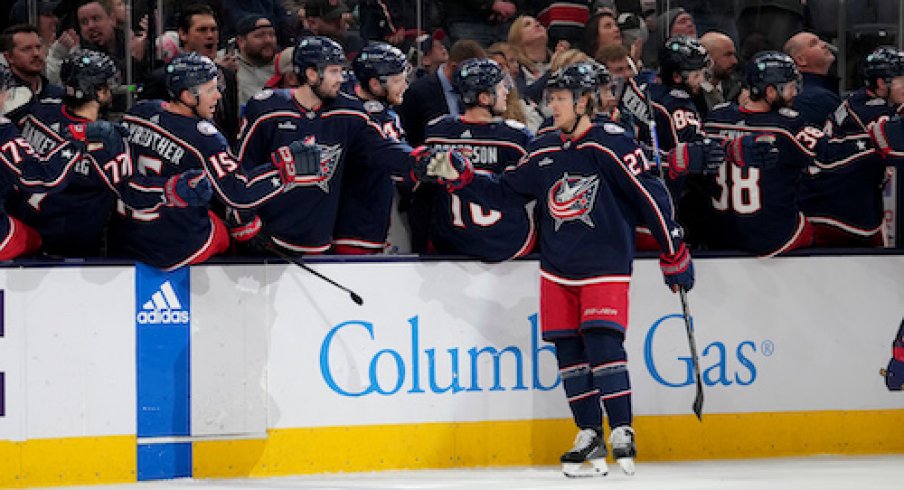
x: 692, y: 343
x: 685, y: 311
x: 300, y: 263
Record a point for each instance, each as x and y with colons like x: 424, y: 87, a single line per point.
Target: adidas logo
x: 163, y: 308
x: 466, y: 134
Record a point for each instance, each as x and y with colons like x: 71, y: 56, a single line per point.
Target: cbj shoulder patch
x: 515, y: 124
x: 206, y: 128
x: 679, y: 94
x: 263, y: 94
x: 613, y: 128
x: 788, y: 112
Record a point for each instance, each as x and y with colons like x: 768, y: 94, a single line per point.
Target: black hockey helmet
x: 318, y: 52
x: 885, y: 62
x: 379, y: 60
x: 83, y: 72
x: 770, y: 68
x: 476, y: 76
x: 681, y: 54
x: 187, y: 71
x: 602, y: 74
x: 579, y: 77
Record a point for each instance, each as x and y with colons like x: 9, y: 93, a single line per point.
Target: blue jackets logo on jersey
x: 163, y: 307
x: 571, y: 198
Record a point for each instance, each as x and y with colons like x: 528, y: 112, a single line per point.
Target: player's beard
x: 325, y: 97
x: 779, y: 103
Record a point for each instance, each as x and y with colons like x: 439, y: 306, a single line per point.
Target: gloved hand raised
x: 297, y: 162
x: 108, y: 134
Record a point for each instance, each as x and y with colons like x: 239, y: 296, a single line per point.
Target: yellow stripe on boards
x: 541, y: 442
x: 67, y: 461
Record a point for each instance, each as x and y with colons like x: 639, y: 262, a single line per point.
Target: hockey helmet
x: 318, y: 52
x: 770, y: 68
x: 187, y: 71
x: 83, y: 72
x: 476, y: 76
x: 885, y: 62
x: 379, y: 60
x: 681, y: 54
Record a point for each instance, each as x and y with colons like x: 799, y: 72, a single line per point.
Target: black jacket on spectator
x: 424, y: 100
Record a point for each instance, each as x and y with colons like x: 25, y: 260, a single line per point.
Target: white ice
x: 816, y: 473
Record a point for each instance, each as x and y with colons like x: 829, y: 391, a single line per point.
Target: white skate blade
x: 597, y: 467
x: 627, y: 465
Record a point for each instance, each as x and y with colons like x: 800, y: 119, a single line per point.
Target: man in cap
x: 256, y: 41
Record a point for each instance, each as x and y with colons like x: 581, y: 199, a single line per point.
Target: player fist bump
x: 448, y: 168
x: 678, y: 269
x: 297, y: 162
x: 887, y: 134
x: 190, y: 188
x: 703, y: 156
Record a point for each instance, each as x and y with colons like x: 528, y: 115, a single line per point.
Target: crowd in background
x: 252, y: 45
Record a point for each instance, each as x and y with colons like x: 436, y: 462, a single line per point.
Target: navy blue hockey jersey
x: 365, y: 202
x: 851, y: 198
x: 22, y: 167
x: 72, y: 222
x: 303, y: 218
x: 165, y: 144
x: 758, y: 206
x: 589, y: 191
x: 472, y: 223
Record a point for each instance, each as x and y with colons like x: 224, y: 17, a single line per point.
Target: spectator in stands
x: 634, y: 34
x: 724, y: 82
x: 21, y: 45
x: 256, y: 41
x: 233, y: 11
x: 48, y: 21
x: 529, y: 37
x: 432, y: 96
x: 674, y: 22
x: 284, y: 75
x: 199, y: 32
x: 484, y: 21
x: 601, y: 30
x: 564, y: 21
x: 330, y: 18
x: 819, y: 96
x: 391, y: 21
x: 433, y: 53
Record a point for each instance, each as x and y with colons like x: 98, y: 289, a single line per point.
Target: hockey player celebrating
x: 21, y: 166
x: 176, y: 139
x: 683, y: 146
x: 302, y: 219
x: 362, y: 222
x: 845, y: 207
x: 591, y: 185
x: 466, y: 222
x: 757, y: 207
x: 72, y: 222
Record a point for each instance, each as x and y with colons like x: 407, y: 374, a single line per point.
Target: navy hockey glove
x: 190, y: 188
x: 757, y: 151
x: 887, y: 134
x: 108, y: 134
x: 678, y: 269
x: 703, y: 156
x: 448, y: 168
x: 894, y: 373
x: 297, y: 161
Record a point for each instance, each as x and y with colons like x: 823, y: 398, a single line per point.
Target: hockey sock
x: 608, y: 361
x: 582, y: 395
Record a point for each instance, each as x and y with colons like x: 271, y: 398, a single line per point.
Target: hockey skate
x: 588, y: 447
x: 623, y: 450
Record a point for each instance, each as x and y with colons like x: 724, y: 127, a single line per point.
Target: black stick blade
x: 698, y: 404
x: 357, y: 299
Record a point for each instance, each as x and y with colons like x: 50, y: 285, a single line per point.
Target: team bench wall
x: 263, y: 370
